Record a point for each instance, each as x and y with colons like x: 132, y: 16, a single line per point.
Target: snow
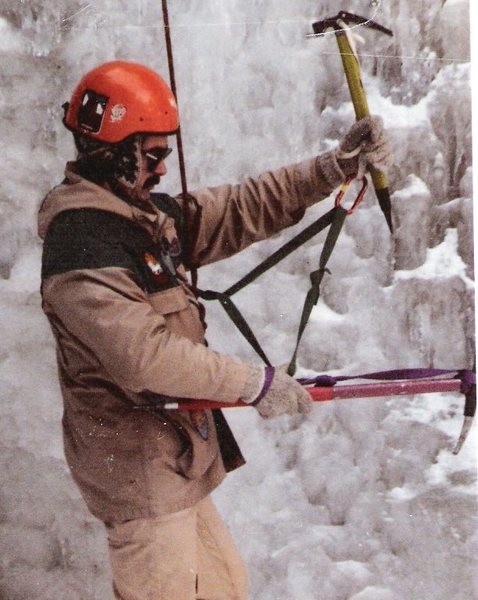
x: 443, y: 261
x: 362, y: 499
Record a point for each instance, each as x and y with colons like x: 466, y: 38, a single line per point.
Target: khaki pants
x: 188, y: 555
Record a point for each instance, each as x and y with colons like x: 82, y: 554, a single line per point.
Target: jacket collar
x: 75, y: 192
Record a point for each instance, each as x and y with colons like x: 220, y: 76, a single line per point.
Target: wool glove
x: 278, y: 393
x: 365, y: 145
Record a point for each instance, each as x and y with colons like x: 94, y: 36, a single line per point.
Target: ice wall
x: 363, y: 500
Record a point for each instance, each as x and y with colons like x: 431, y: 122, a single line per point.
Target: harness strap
x: 334, y: 217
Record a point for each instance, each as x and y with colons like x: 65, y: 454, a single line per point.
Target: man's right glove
x: 278, y: 394
x: 365, y: 145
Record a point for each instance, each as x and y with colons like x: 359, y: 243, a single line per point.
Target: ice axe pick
x: 340, y: 25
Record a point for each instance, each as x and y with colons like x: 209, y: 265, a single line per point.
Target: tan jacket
x: 127, y: 334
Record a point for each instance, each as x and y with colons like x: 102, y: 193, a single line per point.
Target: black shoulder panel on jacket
x: 89, y: 238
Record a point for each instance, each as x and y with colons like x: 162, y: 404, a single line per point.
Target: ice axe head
x: 336, y: 23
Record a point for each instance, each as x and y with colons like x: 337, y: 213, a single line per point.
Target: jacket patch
x: 155, y: 267
x: 163, y: 260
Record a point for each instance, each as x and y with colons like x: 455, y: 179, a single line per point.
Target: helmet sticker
x: 118, y: 111
x: 92, y: 111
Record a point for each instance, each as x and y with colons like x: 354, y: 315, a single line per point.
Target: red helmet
x: 118, y: 99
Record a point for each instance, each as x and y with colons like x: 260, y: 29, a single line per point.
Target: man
x: 130, y: 332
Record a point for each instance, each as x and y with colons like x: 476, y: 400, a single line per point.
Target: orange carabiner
x: 343, y: 190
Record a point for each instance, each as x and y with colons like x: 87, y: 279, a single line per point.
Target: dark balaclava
x: 115, y: 166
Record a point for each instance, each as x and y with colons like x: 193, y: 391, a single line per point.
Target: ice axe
x: 398, y: 382
x: 340, y: 25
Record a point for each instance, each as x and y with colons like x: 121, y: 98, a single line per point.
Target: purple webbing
x: 268, y: 377
x: 468, y: 378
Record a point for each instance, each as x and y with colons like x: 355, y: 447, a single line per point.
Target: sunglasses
x: 156, y: 156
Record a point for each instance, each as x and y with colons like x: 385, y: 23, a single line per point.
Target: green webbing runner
x: 335, y: 218
x: 316, y: 277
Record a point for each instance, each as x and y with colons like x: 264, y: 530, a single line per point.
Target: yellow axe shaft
x: 359, y: 100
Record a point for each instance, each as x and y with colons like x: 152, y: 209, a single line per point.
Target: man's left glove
x: 272, y: 392
x: 366, y: 145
